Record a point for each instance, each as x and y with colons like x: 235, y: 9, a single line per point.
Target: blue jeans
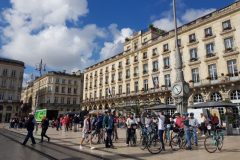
x: 160, y: 133
x: 188, y: 137
x: 195, y: 136
x: 29, y: 135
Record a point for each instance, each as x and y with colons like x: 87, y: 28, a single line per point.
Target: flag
x: 109, y: 92
x: 155, y: 81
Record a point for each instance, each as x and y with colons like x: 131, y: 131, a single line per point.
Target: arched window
x: 235, y: 95
x: 9, y: 108
x: 1, y: 108
x: 216, y: 96
x: 197, y: 98
x: 169, y: 100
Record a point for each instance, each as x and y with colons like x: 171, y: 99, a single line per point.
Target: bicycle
x: 215, y: 140
x: 154, y: 146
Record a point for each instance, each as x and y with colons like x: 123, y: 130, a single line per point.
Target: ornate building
x: 142, y: 74
x: 11, y: 77
x: 54, y: 90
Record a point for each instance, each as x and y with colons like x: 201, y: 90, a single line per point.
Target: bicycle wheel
x: 154, y: 146
x: 210, y: 144
x: 176, y: 143
x: 95, y: 138
x: 220, y: 143
x: 143, y: 142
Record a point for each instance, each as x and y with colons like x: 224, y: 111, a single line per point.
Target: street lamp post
x: 39, y: 67
x: 180, y: 88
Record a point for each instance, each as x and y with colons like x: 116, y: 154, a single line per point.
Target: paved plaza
x: 70, y: 140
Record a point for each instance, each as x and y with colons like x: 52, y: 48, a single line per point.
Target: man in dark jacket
x: 30, y: 127
x: 108, y: 126
x: 45, y: 124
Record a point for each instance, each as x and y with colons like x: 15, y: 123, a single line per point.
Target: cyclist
x: 194, y: 124
x: 161, y: 127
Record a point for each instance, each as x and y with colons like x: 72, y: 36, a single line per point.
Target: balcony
x: 106, y: 82
x: 144, y: 43
x: 135, y: 74
x: 113, y: 81
x: 100, y: 84
x: 145, y: 72
x: 135, y: 60
x: 155, y: 69
x: 166, y: 67
x: 166, y: 51
x: 211, y: 57
x: 119, y: 79
x: 127, y: 76
x: 192, y: 40
x: 193, y: 59
x: 120, y: 67
x: 144, y: 56
x: 106, y: 71
x: 127, y: 63
x: 208, y: 37
x: 113, y: 68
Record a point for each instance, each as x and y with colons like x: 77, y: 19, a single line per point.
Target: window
x: 95, y: 74
x: 198, y: 98
x: 106, y: 80
x: 1, y: 108
x: 5, y: 72
x: 169, y: 100
x: 136, y: 86
x: 166, y: 62
x: 70, y: 90
x: 90, y: 86
x: 226, y: 25
x: 75, y: 90
x: 1, y: 96
x: 216, y: 96
x: 128, y: 88
x: 212, y: 70
x: 127, y: 61
x: 232, y: 68
x: 210, y: 49
x: 113, y: 78
x: 144, y: 55
x: 13, y: 73
x: 100, y: 93
x: 154, y: 51
x: 135, y: 58
x: 95, y: 83
x: 135, y: 71
x: 193, y: 54
x: 119, y: 64
x: 136, y: 45
x: 165, y: 48
x: 75, y: 82
x: 4, y: 83
x: 195, y: 75
x: 55, y: 99
x: 167, y: 80
x: 57, y: 89
x: 120, y: 89
x: 68, y: 100
x: 145, y: 84
x: 63, y: 81
x: 192, y: 38
x: 106, y: 70
x: 113, y: 91
x: 228, y: 43
x: 208, y: 32
x: 155, y: 66
x: 74, y: 101
x: 9, y: 108
x: 63, y: 99
x: 145, y: 68
x: 155, y: 81
x: 57, y: 80
x: 107, y: 92
x: 63, y: 89
x: 101, y: 71
x: 128, y: 73
x: 49, y: 88
x: 235, y: 95
x: 119, y: 76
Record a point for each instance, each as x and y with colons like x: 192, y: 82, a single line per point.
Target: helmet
x: 191, y: 114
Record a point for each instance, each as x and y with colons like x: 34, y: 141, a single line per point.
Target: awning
x: 161, y: 106
x: 213, y: 104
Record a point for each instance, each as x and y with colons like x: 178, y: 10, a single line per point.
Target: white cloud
x: 37, y: 30
x: 116, y: 46
x: 192, y: 14
x: 167, y: 22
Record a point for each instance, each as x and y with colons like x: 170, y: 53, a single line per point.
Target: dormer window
x: 165, y: 48
x: 226, y: 25
x: 192, y: 38
x: 208, y: 32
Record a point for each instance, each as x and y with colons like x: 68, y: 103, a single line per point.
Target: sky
x: 74, y: 34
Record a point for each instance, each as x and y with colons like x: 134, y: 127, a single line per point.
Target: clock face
x: 186, y: 89
x: 177, y: 89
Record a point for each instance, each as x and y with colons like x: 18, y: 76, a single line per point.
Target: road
x: 12, y: 149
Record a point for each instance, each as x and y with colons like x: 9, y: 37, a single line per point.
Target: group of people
x: 30, y: 126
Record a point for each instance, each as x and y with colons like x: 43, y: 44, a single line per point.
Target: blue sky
x: 73, y: 34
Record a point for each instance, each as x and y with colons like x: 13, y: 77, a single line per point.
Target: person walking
x: 108, y: 126
x: 30, y: 127
x: 86, y: 131
x: 45, y: 124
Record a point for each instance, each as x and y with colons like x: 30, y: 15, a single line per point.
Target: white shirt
x: 86, y: 125
x: 130, y: 121
x: 161, y: 121
x: 193, y: 122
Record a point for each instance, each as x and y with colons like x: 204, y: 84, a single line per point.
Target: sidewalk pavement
x: 231, y: 148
